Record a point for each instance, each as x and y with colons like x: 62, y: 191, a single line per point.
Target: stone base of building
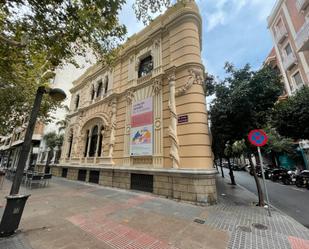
x: 195, y: 186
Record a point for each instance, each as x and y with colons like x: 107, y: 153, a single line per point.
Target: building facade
x: 289, y: 27
x: 142, y: 124
x: 10, y: 146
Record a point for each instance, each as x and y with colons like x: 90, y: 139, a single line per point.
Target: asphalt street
x: 287, y: 198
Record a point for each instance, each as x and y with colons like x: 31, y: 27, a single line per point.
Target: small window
x: 92, y: 92
x: 106, y: 85
x: 288, y: 49
x: 145, y: 66
x: 279, y: 26
x: 76, y: 101
x: 297, y: 79
x: 99, y: 90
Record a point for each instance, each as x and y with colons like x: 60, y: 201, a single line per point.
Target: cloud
x: 221, y: 12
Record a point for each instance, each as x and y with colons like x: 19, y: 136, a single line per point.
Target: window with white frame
x: 298, y: 79
x: 288, y: 49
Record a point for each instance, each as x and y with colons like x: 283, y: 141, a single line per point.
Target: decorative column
x: 89, y: 142
x: 127, y: 132
x: 158, y: 121
x: 97, y: 145
x: 173, y: 126
x: 157, y: 56
x: 113, y: 112
x: 56, y: 149
x: 103, y: 143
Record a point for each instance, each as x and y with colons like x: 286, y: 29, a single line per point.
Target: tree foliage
x: 52, y: 139
x: 291, y: 117
x: 244, y: 101
x: 277, y: 143
x: 36, y: 37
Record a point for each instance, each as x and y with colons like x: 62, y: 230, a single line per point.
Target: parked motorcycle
x: 278, y: 174
x: 302, y: 180
x: 289, y: 178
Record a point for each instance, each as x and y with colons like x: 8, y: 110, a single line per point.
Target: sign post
x: 259, y: 138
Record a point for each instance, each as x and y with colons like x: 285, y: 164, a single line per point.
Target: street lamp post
x: 14, y: 207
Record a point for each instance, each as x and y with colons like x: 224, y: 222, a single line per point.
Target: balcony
x: 280, y: 34
x: 302, y: 38
x: 301, y: 5
x: 289, y: 61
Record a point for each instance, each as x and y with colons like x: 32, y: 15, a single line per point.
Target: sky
x: 233, y: 30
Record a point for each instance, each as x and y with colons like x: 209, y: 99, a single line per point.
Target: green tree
x: 62, y: 124
x: 291, y: 117
x: 52, y: 139
x: 248, y: 98
x: 36, y: 37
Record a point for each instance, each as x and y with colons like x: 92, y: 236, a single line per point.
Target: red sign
x: 258, y: 138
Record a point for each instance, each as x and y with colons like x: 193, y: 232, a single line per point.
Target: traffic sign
x: 258, y: 138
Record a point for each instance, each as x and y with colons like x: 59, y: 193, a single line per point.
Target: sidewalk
x: 73, y: 215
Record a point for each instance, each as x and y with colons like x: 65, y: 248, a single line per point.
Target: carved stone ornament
x: 174, y: 154
x: 156, y: 87
x: 113, y: 111
x: 156, y: 43
x: 130, y: 97
x: 171, y: 77
x: 195, y: 77
x: 158, y: 124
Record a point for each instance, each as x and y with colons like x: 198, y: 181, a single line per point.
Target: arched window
x: 92, y: 92
x: 100, y: 141
x: 106, y: 84
x: 145, y: 66
x: 99, y: 90
x: 76, y: 101
x: 86, y: 143
x: 93, y: 141
x: 70, y: 145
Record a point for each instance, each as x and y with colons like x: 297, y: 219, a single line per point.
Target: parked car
x: 278, y: 174
x: 302, y: 180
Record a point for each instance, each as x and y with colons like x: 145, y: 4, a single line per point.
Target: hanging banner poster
x: 141, y: 128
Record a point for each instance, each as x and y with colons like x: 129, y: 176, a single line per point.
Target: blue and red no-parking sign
x: 258, y: 138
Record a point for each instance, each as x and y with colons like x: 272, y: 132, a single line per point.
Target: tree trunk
x: 222, y: 173
x: 231, y: 172
x: 257, y: 182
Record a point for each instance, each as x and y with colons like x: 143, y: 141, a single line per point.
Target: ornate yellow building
x: 143, y: 124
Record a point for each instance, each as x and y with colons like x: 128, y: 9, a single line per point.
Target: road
x: 287, y: 198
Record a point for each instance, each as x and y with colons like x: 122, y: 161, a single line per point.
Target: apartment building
x: 143, y: 123
x: 10, y: 146
x: 289, y: 26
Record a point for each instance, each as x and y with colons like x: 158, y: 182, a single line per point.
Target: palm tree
x: 63, y: 123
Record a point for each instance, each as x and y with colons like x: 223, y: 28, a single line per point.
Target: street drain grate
x: 259, y: 226
x: 199, y: 221
x: 244, y: 229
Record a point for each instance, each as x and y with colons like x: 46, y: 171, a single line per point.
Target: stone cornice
x: 161, y: 24
x: 274, y: 12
